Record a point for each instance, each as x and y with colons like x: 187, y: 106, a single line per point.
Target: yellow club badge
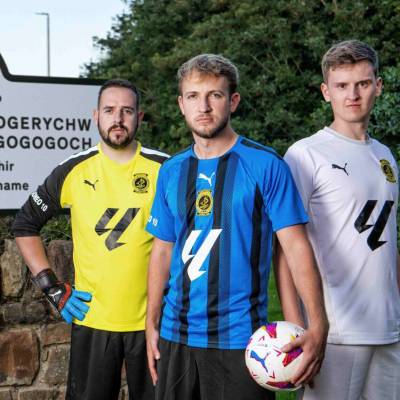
x: 140, y: 183
x: 204, y: 202
x: 388, y: 171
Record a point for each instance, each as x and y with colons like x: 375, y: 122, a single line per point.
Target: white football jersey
x: 350, y: 191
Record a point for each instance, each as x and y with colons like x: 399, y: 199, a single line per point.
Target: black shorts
x: 96, y: 360
x: 191, y: 373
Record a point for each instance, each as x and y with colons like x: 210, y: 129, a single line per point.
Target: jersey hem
x: 112, y: 328
x: 220, y: 346
x: 25, y: 233
x: 351, y: 340
x: 299, y: 221
x: 161, y: 237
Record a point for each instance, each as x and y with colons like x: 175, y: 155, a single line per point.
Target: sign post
x: 42, y: 122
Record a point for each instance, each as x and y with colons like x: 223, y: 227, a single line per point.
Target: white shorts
x: 357, y: 373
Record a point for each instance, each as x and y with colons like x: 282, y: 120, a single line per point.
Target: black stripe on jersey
x: 100, y: 227
x: 255, y: 254
x: 190, y: 205
x: 159, y: 158
x: 31, y: 218
x: 112, y: 239
x: 214, y: 263
x: 226, y: 245
x: 249, y: 143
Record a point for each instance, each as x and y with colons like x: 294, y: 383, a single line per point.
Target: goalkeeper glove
x: 69, y: 302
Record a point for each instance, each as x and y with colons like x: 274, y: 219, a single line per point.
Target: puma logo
x: 335, y: 166
x: 206, y: 178
x: 54, y: 295
x: 93, y: 185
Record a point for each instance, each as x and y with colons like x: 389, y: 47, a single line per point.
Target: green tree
x: 277, y: 46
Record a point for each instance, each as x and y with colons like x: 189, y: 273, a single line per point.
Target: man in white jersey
x: 349, y: 186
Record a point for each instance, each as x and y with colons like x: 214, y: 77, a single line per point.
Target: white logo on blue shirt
x: 204, y: 250
x: 206, y: 178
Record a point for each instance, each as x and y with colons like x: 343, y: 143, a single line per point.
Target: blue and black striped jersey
x: 221, y: 214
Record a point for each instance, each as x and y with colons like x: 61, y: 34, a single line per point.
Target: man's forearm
x: 300, y: 259
x: 33, y: 252
x: 158, y: 274
x: 69, y: 302
x: 287, y: 292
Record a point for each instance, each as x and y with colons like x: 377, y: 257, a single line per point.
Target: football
x: 267, y: 364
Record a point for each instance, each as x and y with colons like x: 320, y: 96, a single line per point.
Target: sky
x: 73, y: 23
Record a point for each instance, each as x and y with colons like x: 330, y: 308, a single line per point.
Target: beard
x: 213, y: 133
x: 118, y: 144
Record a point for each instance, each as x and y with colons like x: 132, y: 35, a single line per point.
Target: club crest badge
x: 388, y: 171
x: 204, y: 202
x: 140, y: 183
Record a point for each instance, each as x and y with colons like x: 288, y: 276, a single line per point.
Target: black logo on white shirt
x: 335, y: 166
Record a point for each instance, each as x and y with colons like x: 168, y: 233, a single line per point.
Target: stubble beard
x: 210, y: 134
x: 105, y: 135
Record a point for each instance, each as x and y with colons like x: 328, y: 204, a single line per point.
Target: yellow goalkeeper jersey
x: 110, y: 205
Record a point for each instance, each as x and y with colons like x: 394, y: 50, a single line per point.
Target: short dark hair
x: 122, y: 83
x: 348, y: 52
x: 210, y: 64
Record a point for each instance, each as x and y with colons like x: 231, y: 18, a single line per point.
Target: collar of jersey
x: 112, y: 164
x: 238, y: 140
x: 331, y: 131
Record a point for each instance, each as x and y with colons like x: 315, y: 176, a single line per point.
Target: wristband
x: 45, y: 279
x: 56, y: 292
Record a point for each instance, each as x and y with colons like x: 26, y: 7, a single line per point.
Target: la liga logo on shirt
x: 388, y: 171
x: 140, y: 183
x: 204, y: 202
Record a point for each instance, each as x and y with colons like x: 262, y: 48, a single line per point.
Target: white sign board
x: 42, y: 122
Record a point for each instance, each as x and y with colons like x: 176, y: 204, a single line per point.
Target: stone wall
x: 34, y: 340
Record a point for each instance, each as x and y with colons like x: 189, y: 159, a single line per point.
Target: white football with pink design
x: 268, y: 365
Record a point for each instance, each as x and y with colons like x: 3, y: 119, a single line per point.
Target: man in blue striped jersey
x: 216, y: 208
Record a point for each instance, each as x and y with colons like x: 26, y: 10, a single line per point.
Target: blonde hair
x: 210, y: 64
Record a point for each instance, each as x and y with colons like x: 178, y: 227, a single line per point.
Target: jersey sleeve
x: 41, y: 205
x: 282, y: 200
x: 161, y: 221
x: 302, y: 171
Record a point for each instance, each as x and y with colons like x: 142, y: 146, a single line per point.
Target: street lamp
x: 47, y: 15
